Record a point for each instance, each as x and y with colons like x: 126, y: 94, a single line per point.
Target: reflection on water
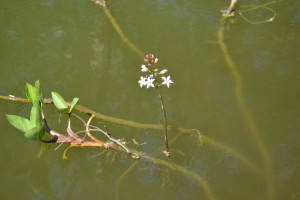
x: 73, y: 47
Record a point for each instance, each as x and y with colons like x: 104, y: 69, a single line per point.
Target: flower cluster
x: 151, y: 80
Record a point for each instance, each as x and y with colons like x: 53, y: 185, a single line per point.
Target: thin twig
x: 110, y: 137
x: 89, y: 134
x: 59, y: 146
x: 72, y: 134
x: 79, y: 118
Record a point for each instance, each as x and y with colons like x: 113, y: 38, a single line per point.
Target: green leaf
x: 30, y: 92
x: 35, y: 116
x: 19, y: 122
x: 38, y: 92
x: 34, y: 93
x: 73, y: 104
x: 59, y: 102
x: 35, y: 133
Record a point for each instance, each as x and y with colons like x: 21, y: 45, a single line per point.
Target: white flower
x: 163, y: 71
x: 167, y: 81
x: 144, y: 68
x: 142, y: 81
x: 149, y: 82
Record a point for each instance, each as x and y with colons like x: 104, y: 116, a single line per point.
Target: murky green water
x: 249, y: 121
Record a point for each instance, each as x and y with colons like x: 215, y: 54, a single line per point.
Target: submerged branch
x: 196, y: 133
x: 244, y: 107
x: 118, y: 28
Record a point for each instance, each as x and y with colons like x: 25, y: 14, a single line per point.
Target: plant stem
x: 165, y: 122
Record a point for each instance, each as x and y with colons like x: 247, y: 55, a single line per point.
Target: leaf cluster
x: 33, y: 128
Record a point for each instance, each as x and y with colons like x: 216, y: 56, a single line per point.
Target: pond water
x: 247, y: 108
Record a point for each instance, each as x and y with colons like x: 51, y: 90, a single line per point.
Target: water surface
x: 72, y: 48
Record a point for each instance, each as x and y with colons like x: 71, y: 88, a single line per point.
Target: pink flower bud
x: 156, y: 70
x: 146, y: 60
x: 156, y: 60
x: 144, y: 68
x: 149, y: 64
x: 150, y: 56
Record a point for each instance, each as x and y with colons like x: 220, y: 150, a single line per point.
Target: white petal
x: 163, y: 71
x: 142, y: 81
x: 149, y: 82
x: 167, y: 81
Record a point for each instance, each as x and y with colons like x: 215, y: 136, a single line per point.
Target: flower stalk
x: 166, y: 151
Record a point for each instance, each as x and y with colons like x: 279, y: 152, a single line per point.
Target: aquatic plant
x: 152, y: 79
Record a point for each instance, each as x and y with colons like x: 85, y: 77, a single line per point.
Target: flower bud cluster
x: 150, y: 59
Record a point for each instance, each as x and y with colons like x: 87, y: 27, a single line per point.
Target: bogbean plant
x: 155, y: 78
x: 35, y: 128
